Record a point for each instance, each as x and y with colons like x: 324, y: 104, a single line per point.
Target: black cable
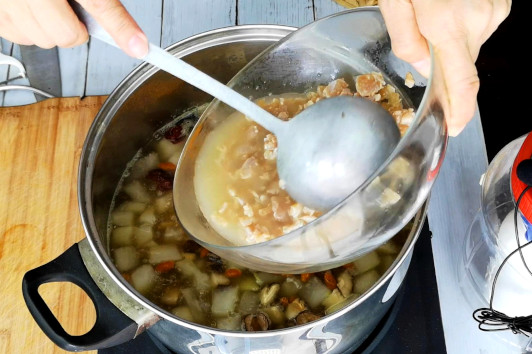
x: 516, y: 210
x: 492, y: 320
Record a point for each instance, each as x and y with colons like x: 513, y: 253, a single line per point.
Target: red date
x: 175, y: 134
x: 163, y: 180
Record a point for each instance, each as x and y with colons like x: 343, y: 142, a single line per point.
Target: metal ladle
x: 324, y: 153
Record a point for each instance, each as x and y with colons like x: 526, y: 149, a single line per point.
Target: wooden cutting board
x: 40, y: 147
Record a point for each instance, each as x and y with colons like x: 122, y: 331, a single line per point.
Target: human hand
x: 49, y: 23
x: 456, y: 30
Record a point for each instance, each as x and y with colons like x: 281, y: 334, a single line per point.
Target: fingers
x: 115, y: 19
x: 407, y: 41
x: 467, y: 26
x: 484, y: 21
x: 499, y: 10
x: 58, y: 23
x: 460, y: 83
x: 15, y: 37
x: 28, y: 25
x: 10, y: 32
x: 45, y: 23
x: 456, y: 29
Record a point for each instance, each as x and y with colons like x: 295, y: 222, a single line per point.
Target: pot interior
x: 146, y: 101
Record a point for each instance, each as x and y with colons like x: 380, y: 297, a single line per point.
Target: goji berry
x: 163, y: 180
x: 204, y: 252
x: 330, y: 280
x: 174, y: 134
x: 165, y: 267
x: 305, y: 277
x: 233, y: 273
x: 167, y: 166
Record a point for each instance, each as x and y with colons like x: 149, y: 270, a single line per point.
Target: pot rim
x: 138, y: 76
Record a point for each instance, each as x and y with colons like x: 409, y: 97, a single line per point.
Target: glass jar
x: 491, y: 238
x: 386, y: 201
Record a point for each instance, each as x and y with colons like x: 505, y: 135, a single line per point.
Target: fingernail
x: 138, y: 45
x: 422, y: 67
x: 454, y: 130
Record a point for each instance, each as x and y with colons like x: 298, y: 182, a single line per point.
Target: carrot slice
x: 204, y: 252
x: 305, y: 277
x: 330, y: 280
x: 167, y: 166
x: 233, y: 273
x: 165, y: 267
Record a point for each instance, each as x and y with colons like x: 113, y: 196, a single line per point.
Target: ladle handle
x: 186, y: 72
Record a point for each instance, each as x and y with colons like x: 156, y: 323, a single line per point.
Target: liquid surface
x: 153, y: 253
x: 236, y: 181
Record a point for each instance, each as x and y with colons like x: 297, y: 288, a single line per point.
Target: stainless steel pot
x: 144, y: 102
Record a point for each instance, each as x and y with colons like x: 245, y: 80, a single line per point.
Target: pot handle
x: 112, y: 326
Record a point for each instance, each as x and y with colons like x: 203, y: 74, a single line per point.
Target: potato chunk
x: 125, y: 258
x: 143, y: 278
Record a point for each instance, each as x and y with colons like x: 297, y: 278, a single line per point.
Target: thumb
x: 115, y: 19
x: 407, y: 41
x: 460, y: 83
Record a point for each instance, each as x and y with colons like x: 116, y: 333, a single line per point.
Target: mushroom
x: 171, y: 296
x: 268, y: 294
x: 305, y: 317
x: 345, y: 283
x: 215, y: 263
x: 295, y: 308
x: 191, y: 247
x: 219, y: 279
x: 256, y: 322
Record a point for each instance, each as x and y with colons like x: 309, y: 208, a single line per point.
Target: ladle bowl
x: 343, y: 45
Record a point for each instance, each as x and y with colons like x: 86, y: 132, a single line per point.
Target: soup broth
x: 236, y: 181
x: 154, y: 254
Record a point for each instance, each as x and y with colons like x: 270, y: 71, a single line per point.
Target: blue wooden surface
x: 107, y: 66
x: 96, y: 69
x: 184, y: 18
x: 295, y: 13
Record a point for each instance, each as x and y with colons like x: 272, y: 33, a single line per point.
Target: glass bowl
x: 343, y: 45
